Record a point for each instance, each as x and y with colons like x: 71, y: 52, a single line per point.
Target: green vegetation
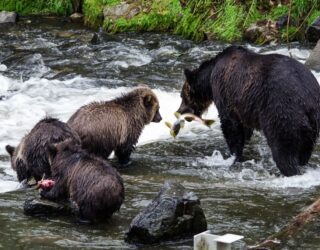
x: 38, y: 7
x: 195, y: 19
x: 157, y: 15
x: 92, y: 10
x: 194, y: 16
x: 228, y: 24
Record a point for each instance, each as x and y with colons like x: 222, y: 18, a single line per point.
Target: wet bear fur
x: 30, y: 157
x: 93, y: 186
x: 116, y: 124
x: 272, y: 93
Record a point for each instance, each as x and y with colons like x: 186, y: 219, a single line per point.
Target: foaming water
x: 43, y: 74
x: 25, y: 102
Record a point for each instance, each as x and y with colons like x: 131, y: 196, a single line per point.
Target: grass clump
x: 252, y: 14
x: 93, y: 12
x: 314, y: 15
x: 194, y: 16
x: 38, y: 7
x: 160, y: 15
x: 229, y: 22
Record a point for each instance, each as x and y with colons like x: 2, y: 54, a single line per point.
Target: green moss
x: 111, y: 2
x: 38, y: 7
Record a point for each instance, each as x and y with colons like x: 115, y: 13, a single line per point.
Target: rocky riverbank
x: 257, y: 21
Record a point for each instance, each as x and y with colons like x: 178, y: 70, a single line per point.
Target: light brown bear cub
x: 116, y: 124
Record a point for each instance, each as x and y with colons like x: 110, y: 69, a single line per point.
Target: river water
x: 50, y: 68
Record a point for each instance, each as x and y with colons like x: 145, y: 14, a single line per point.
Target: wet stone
x: 7, y: 17
x: 122, y: 10
x: 37, y: 207
x: 174, y: 213
x: 262, y: 32
x: 313, y: 61
x: 76, y: 17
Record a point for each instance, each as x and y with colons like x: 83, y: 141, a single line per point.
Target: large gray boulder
x: 174, y: 213
x: 313, y: 61
x: 7, y: 17
x: 123, y: 10
x: 313, y: 31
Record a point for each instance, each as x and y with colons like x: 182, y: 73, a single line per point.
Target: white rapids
x: 29, y: 101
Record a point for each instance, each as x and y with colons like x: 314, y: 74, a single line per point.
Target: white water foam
x: 29, y: 101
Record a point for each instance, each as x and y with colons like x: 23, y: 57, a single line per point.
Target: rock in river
x: 313, y: 62
x: 174, y: 213
x: 7, y: 17
x: 45, y: 207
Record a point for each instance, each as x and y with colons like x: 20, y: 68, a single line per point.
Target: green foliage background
x: 195, y: 19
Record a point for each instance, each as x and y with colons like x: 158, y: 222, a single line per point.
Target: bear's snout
x: 183, y: 109
x: 157, y: 117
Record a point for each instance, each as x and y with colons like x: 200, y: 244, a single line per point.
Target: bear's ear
x: 52, y: 150
x: 10, y: 149
x: 190, y: 75
x: 147, y: 100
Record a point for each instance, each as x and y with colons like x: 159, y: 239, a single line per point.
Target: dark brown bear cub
x: 272, y: 93
x: 91, y: 183
x: 116, y: 124
x: 30, y: 157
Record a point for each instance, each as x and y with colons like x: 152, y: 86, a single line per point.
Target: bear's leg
x: 235, y: 135
x: 308, y: 140
x: 284, y: 151
x: 305, y: 154
x: 248, y: 132
x: 123, y: 154
x: 286, y: 161
x: 85, y: 214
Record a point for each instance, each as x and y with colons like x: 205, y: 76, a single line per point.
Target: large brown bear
x: 116, y: 124
x: 272, y: 92
x: 30, y: 157
x: 91, y: 183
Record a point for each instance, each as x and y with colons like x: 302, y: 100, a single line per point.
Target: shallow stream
x: 51, y: 68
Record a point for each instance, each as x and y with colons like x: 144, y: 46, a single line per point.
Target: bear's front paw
x: 45, y: 194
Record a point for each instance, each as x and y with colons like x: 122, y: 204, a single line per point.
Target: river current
x: 51, y: 68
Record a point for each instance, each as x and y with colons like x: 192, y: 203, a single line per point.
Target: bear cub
x: 30, y: 157
x: 93, y: 186
x: 116, y: 124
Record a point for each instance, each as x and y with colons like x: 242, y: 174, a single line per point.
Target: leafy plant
x: 227, y: 26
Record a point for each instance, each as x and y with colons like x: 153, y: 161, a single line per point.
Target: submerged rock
x: 76, y: 17
x: 45, y: 207
x: 174, y: 213
x: 313, y: 32
x: 7, y: 17
x: 313, y: 61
